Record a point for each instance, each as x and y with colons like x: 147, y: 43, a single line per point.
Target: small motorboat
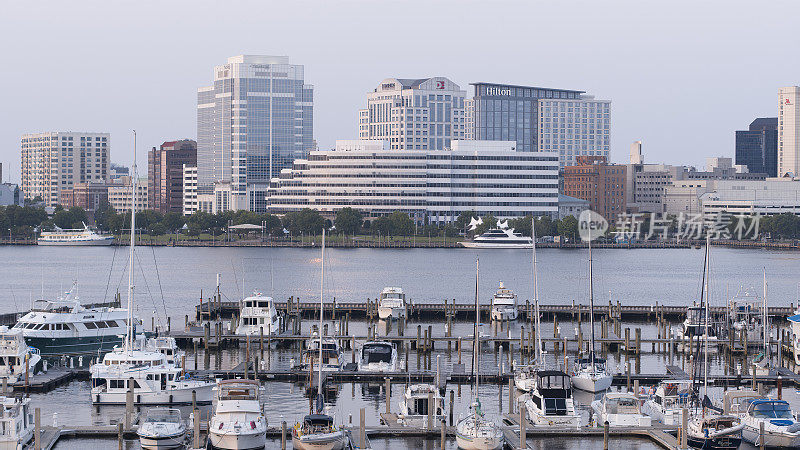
x: 780, y: 427
x: 377, y: 356
x: 162, y: 428
x: 620, y: 409
x: 16, y: 422
x: 420, y: 401
x: 238, y: 422
x: 667, y: 402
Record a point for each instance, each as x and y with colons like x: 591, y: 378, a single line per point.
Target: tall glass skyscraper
x: 757, y: 147
x: 254, y: 121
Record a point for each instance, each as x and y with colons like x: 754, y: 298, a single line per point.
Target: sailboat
x: 761, y: 365
x: 708, y: 429
x: 476, y: 432
x: 525, y: 375
x: 590, y: 373
x: 317, y: 430
x: 148, y: 367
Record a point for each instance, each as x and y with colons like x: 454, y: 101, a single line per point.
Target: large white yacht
x: 392, y: 303
x: 377, y: 356
x: 64, y: 326
x: 258, y: 316
x: 504, y: 304
x: 13, y: 351
x: 550, y: 401
x: 74, y: 236
x: 238, y: 422
x: 620, y: 409
x: 16, y: 422
x: 668, y: 400
x: 499, y: 238
x: 420, y: 401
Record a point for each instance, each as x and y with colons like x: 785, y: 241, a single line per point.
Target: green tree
x: 568, y: 227
x: 156, y: 229
x: 464, y: 218
x: 172, y: 221
x: 401, y: 224
x: 307, y: 221
x: 348, y: 220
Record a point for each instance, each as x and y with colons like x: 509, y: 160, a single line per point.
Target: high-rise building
x: 89, y: 196
x: 165, y: 174
x: 421, y: 114
x: 57, y: 160
x: 757, y: 147
x: 119, y: 195
x: 602, y: 184
x: 789, y: 131
x: 255, y: 120
x: 567, y: 122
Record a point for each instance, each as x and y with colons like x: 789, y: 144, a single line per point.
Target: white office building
x: 765, y: 197
x: 119, y: 195
x: 575, y: 127
x: 57, y: 160
x: 485, y: 177
x: 421, y: 114
x: 190, y: 205
x: 789, y: 131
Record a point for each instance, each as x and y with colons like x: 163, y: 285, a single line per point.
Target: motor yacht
x: 550, y: 402
x: 13, y: 354
x: 620, y: 409
x: 238, y: 422
x: 499, y: 238
x: 504, y: 304
x: 16, y: 422
x: 419, y: 401
x: 163, y: 428
x: 331, y: 354
x: 64, y: 326
x: 691, y: 331
x: 590, y: 375
x: 258, y: 316
x: 76, y: 236
x: 392, y: 303
x: 780, y: 427
x: 377, y: 356
x: 667, y: 402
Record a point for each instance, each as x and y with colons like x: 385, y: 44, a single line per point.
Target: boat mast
x: 591, y: 305
x: 707, y: 314
x: 321, y: 288
x: 764, y: 315
x: 129, y: 336
x: 477, y: 319
x: 538, y: 330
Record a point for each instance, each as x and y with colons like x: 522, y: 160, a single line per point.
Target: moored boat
x: 163, y: 428
x: 504, y: 304
x: 421, y: 403
x: 16, y: 423
x: 620, y: 409
x: 258, y: 316
x: 238, y: 422
x: 16, y: 356
x: 392, y: 303
x: 76, y: 236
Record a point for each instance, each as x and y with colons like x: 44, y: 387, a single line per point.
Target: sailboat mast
x: 707, y: 314
x: 764, y: 315
x: 477, y: 320
x: 129, y: 336
x: 321, y: 288
x: 538, y: 331
x: 591, y: 305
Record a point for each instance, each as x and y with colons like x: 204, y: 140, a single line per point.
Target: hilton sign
x: 495, y: 90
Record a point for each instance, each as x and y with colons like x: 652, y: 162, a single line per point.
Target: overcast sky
x: 681, y: 75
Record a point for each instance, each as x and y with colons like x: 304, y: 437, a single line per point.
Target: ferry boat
x: 238, y: 422
x: 620, y: 409
x: 74, y: 236
x: 16, y: 422
x: 780, y: 427
x: 377, y: 356
x: 392, y: 303
x: 550, y: 402
x: 64, y: 326
x: 504, y: 304
x: 13, y: 351
x: 668, y: 400
x: 258, y: 316
x: 162, y: 429
x: 499, y: 238
x: 416, y: 406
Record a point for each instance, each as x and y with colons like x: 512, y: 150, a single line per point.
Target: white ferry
x: 499, y: 238
x: 257, y: 316
x: 74, y: 236
x: 64, y: 326
x: 13, y: 351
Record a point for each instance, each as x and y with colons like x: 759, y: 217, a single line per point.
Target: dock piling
x: 37, y: 429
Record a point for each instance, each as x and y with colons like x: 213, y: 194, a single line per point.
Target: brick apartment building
x: 600, y: 183
x: 165, y: 174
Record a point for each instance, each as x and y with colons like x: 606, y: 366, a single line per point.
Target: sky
x: 682, y: 75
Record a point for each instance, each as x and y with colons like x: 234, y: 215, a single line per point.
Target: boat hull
x: 468, y: 244
x: 162, y: 442
x: 166, y: 397
x: 387, y: 312
x: 593, y: 385
x: 771, y: 438
x: 726, y: 443
x: 504, y: 314
x: 77, y: 243
x: 74, y: 346
x: 478, y: 443
x: 238, y: 441
x: 331, y: 441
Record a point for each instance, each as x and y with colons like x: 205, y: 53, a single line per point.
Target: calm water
x: 171, y: 279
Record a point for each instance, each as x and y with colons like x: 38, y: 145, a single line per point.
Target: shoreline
x: 424, y: 243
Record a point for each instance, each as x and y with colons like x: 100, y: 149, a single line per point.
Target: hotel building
x: 484, y: 177
x: 789, y: 131
x: 54, y: 161
x: 421, y: 114
x: 254, y: 120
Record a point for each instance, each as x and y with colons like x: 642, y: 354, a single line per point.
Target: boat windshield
x: 554, y: 382
x: 163, y: 416
x: 391, y: 295
x: 771, y: 410
x: 623, y: 405
x: 377, y: 354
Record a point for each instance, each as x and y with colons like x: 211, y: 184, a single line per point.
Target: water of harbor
x: 170, y: 280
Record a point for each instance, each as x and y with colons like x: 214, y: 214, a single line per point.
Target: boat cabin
x: 317, y: 423
x: 553, y: 388
x: 621, y: 404
x: 237, y: 390
x: 376, y: 352
x: 771, y: 409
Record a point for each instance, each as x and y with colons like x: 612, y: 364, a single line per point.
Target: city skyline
x: 682, y: 73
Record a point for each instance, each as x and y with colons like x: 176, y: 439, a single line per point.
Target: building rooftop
x: 483, y: 83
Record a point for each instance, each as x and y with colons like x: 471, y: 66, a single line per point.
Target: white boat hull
x: 469, y: 244
x: 619, y: 420
x: 537, y: 418
x: 592, y: 384
x: 229, y: 441
x: 419, y: 421
x: 480, y: 443
x: 81, y: 243
x: 669, y: 417
x: 771, y: 438
x: 330, y: 441
x: 26, y: 437
x: 386, y: 312
x: 162, y: 443
x: 167, y: 397
x: 504, y: 313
